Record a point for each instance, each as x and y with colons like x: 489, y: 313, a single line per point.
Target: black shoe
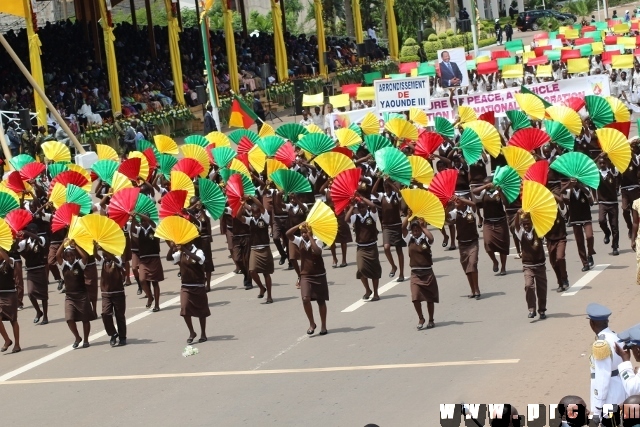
x: 543, y: 315
x: 590, y: 259
x: 606, y: 239
x: 114, y: 337
x: 615, y: 252
x: 560, y: 289
x: 283, y: 259
x: 60, y: 285
x: 532, y: 314
x: 122, y: 342
x: 139, y: 291
x: 290, y: 266
x: 566, y: 285
x: 247, y: 287
x: 586, y: 268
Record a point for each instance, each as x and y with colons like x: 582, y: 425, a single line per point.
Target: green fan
x: 197, y: 140
x: 291, y: 131
x: 292, y: 182
x: 316, y: 143
x: 270, y: 144
x: 212, y: 197
x: 105, y: 169
x: 237, y: 135
x: 395, y: 164
x: 166, y: 162
x: 471, y: 146
x: 508, y: 180
x: 55, y: 168
x: 599, y: 110
x: 518, y: 119
x: 579, y: 166
x: 143, y: 144
x: 559, y: 134
x: 388, y: 116
x: 80, y: 197
x: 146, y: 206
x: 354, y: 127
x: 444, y: 127
x: 376, y: 142
x: 7, y: 204
x: 248, y: 186
x: 223, y: 155
x: 20, y: 160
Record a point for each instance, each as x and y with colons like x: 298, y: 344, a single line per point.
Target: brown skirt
x: 77, y: 308
x: 368, y: 262
x: 496, y: 236
x: 91, y: 280
x: 314, y: 287
x: 150, y: 269
x: 424, y: 286
x: 205, y: 245
x: 51, y: 255
x: 280, y: 228
x: 194, y: 301
x: 294, y: 251
x: 392, y: 235
x: 8, y: 306
x: 344, y: 231
x: 126, y: 256
x: 37, y: 284
x: 469, y: 256
x: 18, y: 280
x: 261, y: 261
x: 229, y: 235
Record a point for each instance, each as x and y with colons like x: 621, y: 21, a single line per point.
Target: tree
x: 259, y: 22
x: 581, y: 8
x: 331, y: 10
x: 411, y: 13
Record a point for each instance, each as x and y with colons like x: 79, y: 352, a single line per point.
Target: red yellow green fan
x: 219, y: 139
x: 614, y: 143
x: 79, y: 234
x: 257, y: 158
x: 530, y: 104
x: 421, y: 170
x: 180, y: 181
x: 332, y: 163
x: 165, y: 145
x: 240, y: 167
x: 6, y: 236
x: 266, y: 130
x: 106, y: 152
x: 9, y: 192
x: 82, y: 171
x: 144, y: 164
x: 102, y: 230
x: 418, y: 117
x: 565, y: 115
x: 519, y: 159
x: 177, y: 230
x: 539, y: 202
x: 370, y: 124
x: 196, y: 152
x: 347, y: 137
x: 487, y: 134
x: 402, y: 129
x: 323, y: 223
x: 620, y: 111
x: 425, y: 205
x: 274, y: 165
x: 467, y: 114
x: 58, y: 195
x: 56, y: 151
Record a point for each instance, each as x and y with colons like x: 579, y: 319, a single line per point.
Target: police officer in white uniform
x: 630, y: 379
x: 606, y: 385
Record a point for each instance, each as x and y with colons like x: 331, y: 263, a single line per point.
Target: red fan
x: 131, y: 168
x: 428, y: 143
x: 575, y: 103
x: 68, y: 177
x: 529, y: 139
x: 243, y: 147
x: 538, y: 172
x: 444, y: 185
x: 14, y: 182
x: 344, y: 187
x: 623, y: 127
x: 151, y: 158
x: 235, y: 193
x: 172, y: 203
x: 489, y: 117
x: 286, y: 154
x: 209, y: 151
x: 94, y: 176
x: 122, y: 204
x: 18, y: 219
x: 63, y: 215
x: 32, y: 170
x: 189, y: 167
x: 344, y: 150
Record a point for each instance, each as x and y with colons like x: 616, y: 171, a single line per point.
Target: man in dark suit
x: 450, y: 74
x: 209, y: 122
x: 259, y: 110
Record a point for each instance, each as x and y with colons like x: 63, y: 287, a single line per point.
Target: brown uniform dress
x: 135, y: 252
x: 344, y: 231
x: 424, y: 286
x: 8, y: 294
x: 226, y: 228
x: 477, y: 174
x: 150, y: 268
x: 56, y: 241
x: 17, y: 273
x: 91, y: 277
x: 34, y: 261
x: 280, y: 218
x: 313, y: 276
x: 193, y: 295
x: 296, y: 218
x: 114, y: 302
x: 535, y: 274
x: 462, y: 181
x: 242, y: 248
x: 367, y: 256
x: 580, y: 214
x: 496, y: 230
x: 556, y: 246
x: 391, y: 220
x: 260, y: 258
x: 467, y: 236
x: 204, y: 242
x: 608, y: 207
x: 77, y: 307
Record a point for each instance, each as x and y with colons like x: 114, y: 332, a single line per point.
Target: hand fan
x: 290, y: 182
x: 402, y: 129
x: 579, y: 166
x: 323, y: 223
x: 538, y: 172
x: 131, y: 168
x: 347, y: 137
x: 198, y: 140
x: 219, y: 139
x: 103, y: 231
x: 180, y: 181
x: 488, y: 135
x: 147, y: 206
x: 425, y: 205
x: 20, y: 161
x: 428, y: 143
x: 529, y: 139
x: 286, y: 154
x: 565, y: 115
x: 518, y: 119
x: 189, y: 167
x: 615, y: 144
x: 235, y: 193
x: 239, y: 134
x: 539, y: 202
x: 519, y: 159
x: 223, y: 156
x: 56, y: 151
x: 6, y: 236
x: 106, y: 152
x: 421, y: 170
x: 344, y: 187
x: 122, y: 205
x: 559, y: 134
x: 376, y: 142
x: 333, y: 163
x: 418, y: 117
x: 63, y: 215
x: 177, y: 230
x: 370, y: 124
x: 291, y: 131
x: 165, y: 144
x: 212, y: 197
x: 444, y: 127
x: 393, y: 163
x: 80, y: 197
x: 172, y: 203
x: 443, y: 185
x: 599, y: 110
x: 507, y: 179
x: 316, y: 143
x: 32, y: 170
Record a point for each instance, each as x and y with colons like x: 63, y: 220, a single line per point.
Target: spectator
x: 209, y: 122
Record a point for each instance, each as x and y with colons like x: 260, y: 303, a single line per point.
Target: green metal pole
x: 206, y: 46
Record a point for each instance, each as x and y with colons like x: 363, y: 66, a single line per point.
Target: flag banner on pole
x: 241, y: 115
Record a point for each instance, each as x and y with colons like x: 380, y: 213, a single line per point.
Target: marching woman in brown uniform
x: 556, y: 240
x: 114, y: 302
x: 342, y: 238
x: 200, y: 218
x: 477, y: 175
x: 580, y: 200
x: 91, y: 279
x: 56, y: 241
x: 17, y: 273
x: 313, y: 275
x: 150, y: 268
x: 495, y: 231
x: 193, y: 295
x: 279, y: 227
x: 464, y: 215
x: 297, y: 212
x: 424, y: 286
x: 390, y: 201
x: 77, y: 307
x: 533, y: 265
x: 8, y: 303
x: 261, y: 258
x: 367, y: 256
x: 31, y: 248
x: 242, y: 246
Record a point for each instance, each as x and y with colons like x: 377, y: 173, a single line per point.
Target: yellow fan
x: 425, y: 205
x: 567, y: 116
x: 219, y: 139
x: 5, y: 189
x: 177, y: 230
x: 332, y: 163
x: 540, y: 204
x: 181, y: 181
x: 120, y: 181
x: 58, y: 195
x: 347, y: 137
x: 418, y: 116
x: 104, y: 231
x: 323, y: 223
x: 488, y: 135
x: 274, y: 165
x: 531, y: 105
x: 616, y: 146
x: 467, y: 114
x: 518, y: 158
x: 165, y: 145
x: 80, y: 235
x: 266, y: 130
x: 6, y: 236
x: 240, y: 167
x: 82, y: 171
x: 421, y: 170
x: 56, y: 151
x: 106, y: 152
x: 144, y: 163
x: 370, y: 124
x: 196, y: 152
x: 314, y: 128
x: 257, y: 157
x: 620, y: 111
x: 402, y: 129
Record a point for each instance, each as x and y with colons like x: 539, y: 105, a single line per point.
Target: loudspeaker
x: 370, y: 46
x: 264, y: 73
x: 298, y: 91
x: 362, y: 50
x: 420, y: 36
x: 25, y: 119
x: 328, y: 90
x: 201, y: 91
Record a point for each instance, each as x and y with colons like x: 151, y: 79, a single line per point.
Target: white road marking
x: 381, y: 290
x: 298, y: 341
x: 584, y: 280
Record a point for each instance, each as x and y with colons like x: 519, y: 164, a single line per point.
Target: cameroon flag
x: 544, y: 101
x: 242, y: 116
